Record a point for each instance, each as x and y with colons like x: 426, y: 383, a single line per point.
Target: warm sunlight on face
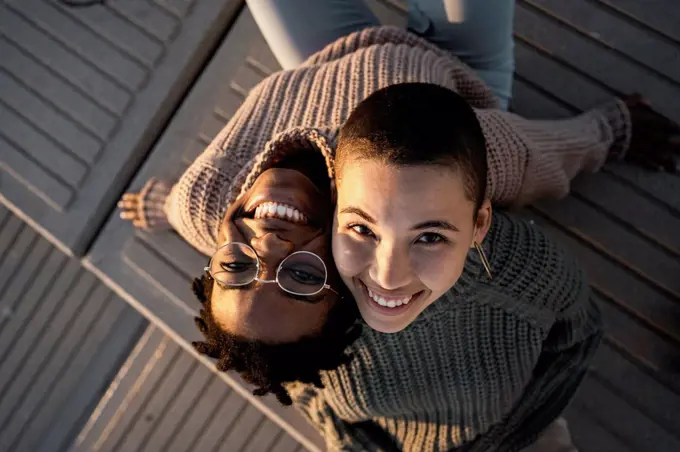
x: 401, y: 236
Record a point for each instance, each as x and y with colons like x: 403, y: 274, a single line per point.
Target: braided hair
x: 269, y: 366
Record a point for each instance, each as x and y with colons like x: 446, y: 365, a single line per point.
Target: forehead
x: 403, y: 190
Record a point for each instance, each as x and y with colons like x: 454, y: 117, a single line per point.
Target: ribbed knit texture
x: 486, y: 367
x: 306, y: 106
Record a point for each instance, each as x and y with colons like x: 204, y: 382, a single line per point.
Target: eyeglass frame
x: 278, y: 270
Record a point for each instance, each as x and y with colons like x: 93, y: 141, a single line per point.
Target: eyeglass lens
x: 301, y: 273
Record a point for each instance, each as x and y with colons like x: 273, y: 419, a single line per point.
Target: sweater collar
x: 280, y: 146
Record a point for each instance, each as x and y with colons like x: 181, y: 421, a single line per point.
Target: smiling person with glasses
x: 262, y: 195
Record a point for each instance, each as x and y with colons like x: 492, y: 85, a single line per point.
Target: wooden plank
x: 659, y: 16
x: 100, y: 87
x: 48, y: 120
x: 164, y: 276
x: 22, y: 278
x: 8, y: 236
x: 243, y: 428
x: 62, y: 95
x: 179, y: 8
x: 159, y: 403
x: 123, y: 389
x: 42, y: 183
x: 57, y: 345
x: 49, y: 307
x: 39, y: 147
x: 285, y: 444
x: 627, y: 38
x: 148, y: 16
x: 180, y: 407
x: 24, y: 308
x: 618, y: 242
x: 114, y: 28
x: 202, y: 409
x: 589, y: 435
x: 130, y: 58
x: 132, y: 414
x: 629, y: 207
x: 637, y: 430
x: 580, y: 50
x: 531, y: 101
x: 39, y: 409
x: 92, y: 385
x: 231, y: 409
x: 263, y: 438
x: 638, y: 387
x: 643, y: 338
x: 81, y: 41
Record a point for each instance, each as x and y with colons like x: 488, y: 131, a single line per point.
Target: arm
x: 533, y: 159
x: 563, y: 364
x: 191, y: 206
x: 564, y: 360
x: 339, y: 435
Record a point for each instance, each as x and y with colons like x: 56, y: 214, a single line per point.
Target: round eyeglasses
x: 300, y: 273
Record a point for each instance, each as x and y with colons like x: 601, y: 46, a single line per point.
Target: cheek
x: 440, y: 271
x: 351, y: 256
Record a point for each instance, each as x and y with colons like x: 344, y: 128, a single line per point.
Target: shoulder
x: 529, y: 266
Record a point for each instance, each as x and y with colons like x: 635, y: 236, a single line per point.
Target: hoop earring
x: 485, y: 262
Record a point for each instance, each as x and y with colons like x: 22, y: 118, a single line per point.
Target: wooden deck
x: 623, y: 223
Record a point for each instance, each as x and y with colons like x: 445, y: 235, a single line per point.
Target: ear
x: 483, y: 223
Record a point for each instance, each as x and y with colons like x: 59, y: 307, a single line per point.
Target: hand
x: 130, y: 209
x: 655, y: 139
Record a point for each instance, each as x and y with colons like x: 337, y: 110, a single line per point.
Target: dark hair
x: 417, y: 124
x: 268, y: 366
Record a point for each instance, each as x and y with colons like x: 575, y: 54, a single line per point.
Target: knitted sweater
x: 491, y: 363
x: 487, y: 367
x: 305, y: 107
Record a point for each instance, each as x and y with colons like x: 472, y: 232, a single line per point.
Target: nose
x: 391, y: 268
x: 270, y: 247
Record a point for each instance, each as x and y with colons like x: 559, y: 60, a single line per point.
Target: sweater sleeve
x: 564, y: 360
x: 338, y: 434
x: 533, y: 159
x: 563, y: 364
x: 193, y: 207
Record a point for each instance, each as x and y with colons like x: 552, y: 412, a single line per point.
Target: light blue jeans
x: 295, y: 29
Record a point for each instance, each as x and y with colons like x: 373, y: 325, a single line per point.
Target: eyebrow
x: 310, y: 299
x: 435, y: 224
x: 431, y: 224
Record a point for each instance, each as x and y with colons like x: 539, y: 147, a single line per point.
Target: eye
x: 362, y: 230
x: 431, y: 238
x: 236, y: 267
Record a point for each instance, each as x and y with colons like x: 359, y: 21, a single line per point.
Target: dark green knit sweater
x: 486, y: 367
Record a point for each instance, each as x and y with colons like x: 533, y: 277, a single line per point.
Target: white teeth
x: 280, y: 211
x: 389, y: 303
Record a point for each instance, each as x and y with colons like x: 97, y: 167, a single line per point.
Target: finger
x: 130, y: 196
x: 128, y: 205
x: 128, y: 215
x: 139, y: 224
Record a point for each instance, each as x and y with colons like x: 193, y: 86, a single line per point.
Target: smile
x: 389, y: 302
x: 280, y: 211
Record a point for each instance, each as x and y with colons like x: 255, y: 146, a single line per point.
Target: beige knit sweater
x: 305, y: 107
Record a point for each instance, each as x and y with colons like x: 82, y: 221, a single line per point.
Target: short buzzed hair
x: 412, y: 124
